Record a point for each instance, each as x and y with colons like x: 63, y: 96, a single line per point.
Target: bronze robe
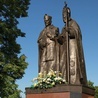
x: 48, y: 49
x: 77, y: 70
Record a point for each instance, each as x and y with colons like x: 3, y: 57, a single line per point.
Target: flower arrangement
x: 44, y: 81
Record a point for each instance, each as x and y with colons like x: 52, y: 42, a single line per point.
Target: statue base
x: 61, y: 91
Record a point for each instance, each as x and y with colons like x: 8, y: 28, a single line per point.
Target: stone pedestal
x: 61, y: 91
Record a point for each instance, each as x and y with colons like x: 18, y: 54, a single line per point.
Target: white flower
x: 35, y: 84
x: 34, y: 79
x: 59, y: 78
x: 44, y: 79
x: 60, y: 82
x: 64, y: 80
x: 50, y: 73
x: 40, y: 75
x: 56, y: 79
x: 40, y: 84
x: 47, y: 82
x: 55, y: 72
x: 60, y: 74
x: 53, y: 83
x: 48, y: 79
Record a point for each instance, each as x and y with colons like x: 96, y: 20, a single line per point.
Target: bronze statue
x: 72, y: 64
x: 48, y: 47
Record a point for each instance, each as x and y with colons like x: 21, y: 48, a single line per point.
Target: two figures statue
x: 62, y: 52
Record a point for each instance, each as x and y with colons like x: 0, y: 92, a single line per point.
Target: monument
x: 62, y: 52
x: 72, y: 63
x: 48, y: 47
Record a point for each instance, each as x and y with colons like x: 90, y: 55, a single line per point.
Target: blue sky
x: 85, y: 12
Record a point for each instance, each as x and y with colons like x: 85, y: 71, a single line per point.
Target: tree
x: 12, y: 66
x: 91, y: 84
x: 96, y: 92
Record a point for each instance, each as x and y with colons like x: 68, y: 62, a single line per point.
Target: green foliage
x: 91, y: 84
x: 11, y: 65
x: 96, y: 92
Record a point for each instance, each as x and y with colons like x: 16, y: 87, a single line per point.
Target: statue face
x: 64, y: 16
x: 47, y: 22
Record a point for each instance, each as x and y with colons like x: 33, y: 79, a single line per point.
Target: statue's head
x: 47, y: 20
x: 66, y: 13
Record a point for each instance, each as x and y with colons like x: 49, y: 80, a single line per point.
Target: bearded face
x: 65, y: 17
x: 66, y: 14
x: 47, y: 20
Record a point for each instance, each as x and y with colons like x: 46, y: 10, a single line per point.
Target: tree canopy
x: 12, y: 66
x: 91, y: 84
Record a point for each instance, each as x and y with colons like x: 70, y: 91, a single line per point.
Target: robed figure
x: 48, y: 47
x: 72, y: 64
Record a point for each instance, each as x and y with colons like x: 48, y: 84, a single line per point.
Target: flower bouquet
x: 44, y: 81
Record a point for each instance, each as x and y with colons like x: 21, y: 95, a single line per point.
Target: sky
x: 84, y: 12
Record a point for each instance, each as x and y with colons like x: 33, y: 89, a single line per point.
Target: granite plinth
x: 61, y: 91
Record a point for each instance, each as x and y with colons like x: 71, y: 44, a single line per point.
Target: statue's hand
x: 60, y: 39
x: 67, y: 29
